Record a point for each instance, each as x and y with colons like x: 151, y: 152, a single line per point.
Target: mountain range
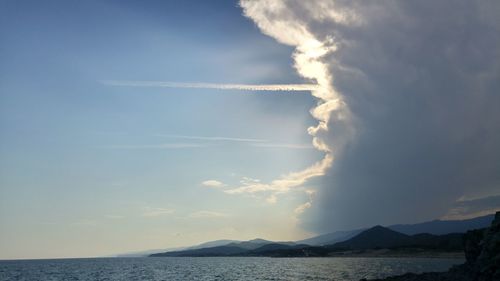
x: 379, y: 237
x: 430, y: 231
x: 374, y: 238
x: 436, y: 227
x: 440, y: 227
x: 363, y: 241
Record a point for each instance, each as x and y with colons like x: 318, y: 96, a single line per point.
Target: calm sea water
x: 234, y: 268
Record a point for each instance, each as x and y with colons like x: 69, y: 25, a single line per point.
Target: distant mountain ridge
x: 439, y: 227
x: 251, y: 244
x: 436, y: 227
x: 330, y: 238
x: 234, y: 248
x: 379, y: 237
x: 482, y: 256
x: 375, y: 238
x: 435, y: 234
x: 209, y: 244
x: 146, y: 253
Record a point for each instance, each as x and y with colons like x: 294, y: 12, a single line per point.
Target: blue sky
x: 111, y: 140
x: 82, y: 161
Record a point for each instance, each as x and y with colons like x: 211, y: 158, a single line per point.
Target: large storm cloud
x: 421, y: 83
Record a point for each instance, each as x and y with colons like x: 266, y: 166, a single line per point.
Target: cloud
x: 283, y: 145
x: 284, y: 183
x: 208, y: 215
x: 307, y: 57
x: 290, y: 182
x: 407, y: 103
x: 277, y: 19
x: 244, y: 87
x: 155, y: 146
x: 155, y: 212
x: 253, y: 142
x: 469, y: 208
x: 301, y: 208
x: 206, y: 142
x: 213, y: 184
x: 218, y: 138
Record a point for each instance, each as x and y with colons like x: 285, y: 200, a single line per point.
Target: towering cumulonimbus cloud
x: 279, y: 20
x: 407, y: 103
x: 276, y: 19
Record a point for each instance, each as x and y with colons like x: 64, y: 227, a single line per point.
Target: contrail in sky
x: 244, y: 87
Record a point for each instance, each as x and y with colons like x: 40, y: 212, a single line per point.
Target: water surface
x: 218, y: 268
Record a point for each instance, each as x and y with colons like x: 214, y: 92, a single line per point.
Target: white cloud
x: 275, y: 19
x: 301, y: 208
x: 213, y: 184
x: 414, y: 101
x: 286, y: 182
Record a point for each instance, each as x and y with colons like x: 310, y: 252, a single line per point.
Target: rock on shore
x: 482, y: 253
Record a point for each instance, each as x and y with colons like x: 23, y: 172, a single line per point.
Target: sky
x: 135, y: 125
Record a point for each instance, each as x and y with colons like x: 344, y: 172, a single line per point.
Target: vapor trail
x: 244, y: 87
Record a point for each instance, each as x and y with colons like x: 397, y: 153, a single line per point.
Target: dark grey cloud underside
x: 423, y: 82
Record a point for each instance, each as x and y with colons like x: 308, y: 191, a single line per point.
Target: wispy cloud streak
x: 276, y: 19
x: 286, y: 182
x: 213, y: 183
x: 283, y: 145
x: 155, y: 146
x: 215, y: 138
x: 243, y: 87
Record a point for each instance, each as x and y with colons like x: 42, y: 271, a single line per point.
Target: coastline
x: 391, y: 254
x: 482, y: 253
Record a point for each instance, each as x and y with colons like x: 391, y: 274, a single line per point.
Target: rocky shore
x: 482, y: 253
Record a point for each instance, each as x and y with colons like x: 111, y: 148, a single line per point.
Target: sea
x: 218, y: 268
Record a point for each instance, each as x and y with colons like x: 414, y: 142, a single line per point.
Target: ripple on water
x: 220, y: 268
